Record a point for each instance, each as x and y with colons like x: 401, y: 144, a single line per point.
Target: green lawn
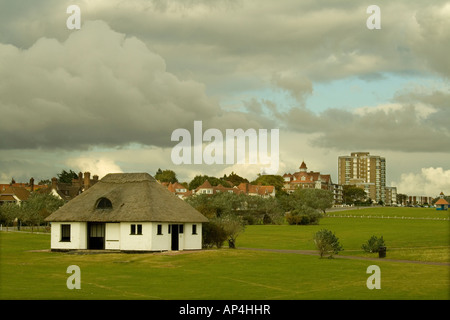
x: 27, y: 271
x: 406, y: 212
x: 403, y: 238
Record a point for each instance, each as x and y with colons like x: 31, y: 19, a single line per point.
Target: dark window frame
x: 65, y: 232
x: 135, y: 229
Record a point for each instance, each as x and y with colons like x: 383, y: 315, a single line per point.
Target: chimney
x: 95, y: 177
x: 54, y: 183
x: 31, y: 184
x: 87, y: 180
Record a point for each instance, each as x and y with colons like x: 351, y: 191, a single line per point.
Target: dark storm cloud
x: 98, y: 87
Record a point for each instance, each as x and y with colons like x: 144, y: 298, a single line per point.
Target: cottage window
x: 136, y: 229
x: 159, y: 229
x: 65, y: 233
x: 194, y: 229
x: 104, y: 203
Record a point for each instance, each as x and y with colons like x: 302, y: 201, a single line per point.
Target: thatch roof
x: 135, y: 197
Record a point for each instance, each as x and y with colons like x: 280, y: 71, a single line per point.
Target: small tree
x: 213, y: 234
x: 38, y: 207
x: 233, y: 226
x: 327, y: 242
x: 166, y: 176
x: 67, y: 176
x: 8, y: 213
x: 373, y: 244
x: 353, y: 194
x: 316, y: 198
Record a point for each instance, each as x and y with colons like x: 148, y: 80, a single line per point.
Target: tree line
x: 227, y: 181
x: 31, y: 212
x: 229, y: 213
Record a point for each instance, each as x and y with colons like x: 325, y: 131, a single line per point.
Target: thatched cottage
x: 127, y: 212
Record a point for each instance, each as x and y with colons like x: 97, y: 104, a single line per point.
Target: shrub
x: 213, y: 234
x: 373, y: 244
x: 327, y: 242
x: 303, y: 216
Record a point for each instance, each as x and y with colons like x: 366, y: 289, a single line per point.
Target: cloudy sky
x: 107, y: 97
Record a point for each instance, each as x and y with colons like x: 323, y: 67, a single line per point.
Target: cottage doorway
x: 96, y: 236
x: 175, y: 232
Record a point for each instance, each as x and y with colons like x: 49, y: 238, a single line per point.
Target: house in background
x: 314, y: 180
x: 256, y: 190
x: 17, y: 192
x: 207, y: 188
x: 304, y: 179
x: 68, y: 191
x: 10, y: 194
x: 242, y: 188
x: 441, y: 204
x: 180, y: 191
x: 126, y: 212
x: 29, y: 186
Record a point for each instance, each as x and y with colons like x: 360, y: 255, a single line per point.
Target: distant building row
x: 17, y: 192
x: 206, y: 188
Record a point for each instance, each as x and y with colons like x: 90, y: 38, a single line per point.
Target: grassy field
x: 415, y: 239
x: 398, y: 212
x: 29, y: 271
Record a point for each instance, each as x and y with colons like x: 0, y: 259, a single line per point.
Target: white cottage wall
x: 118, y: 236
x: 160, y: 241
x: 192, y: 241
x: 78, y: 236
x: 136, y: 242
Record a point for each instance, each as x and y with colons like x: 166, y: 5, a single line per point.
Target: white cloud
x: 421, y: 110
x: 429, y: 182
x: 100, y: 167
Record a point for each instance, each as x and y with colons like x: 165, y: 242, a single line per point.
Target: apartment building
x: 365, y: 171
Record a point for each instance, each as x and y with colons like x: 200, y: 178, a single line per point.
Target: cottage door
x: 96, y: 236
x: 174, y: 231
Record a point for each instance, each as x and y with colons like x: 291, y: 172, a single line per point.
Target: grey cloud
x: 405, y: 128
x: 115, y: 90
x: 298, y: 87
x: 223, y: 39
x: 97, y: 87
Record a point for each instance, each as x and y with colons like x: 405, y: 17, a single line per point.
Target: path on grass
x: 315, y: 253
